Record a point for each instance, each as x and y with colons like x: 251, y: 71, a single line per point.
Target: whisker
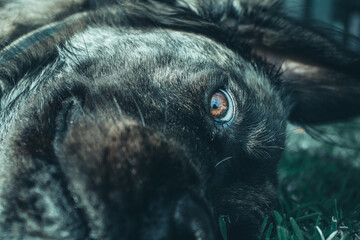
x: 86, y: 48
x: 140, y: 113
x: 166, y: 116
x: 118, y: 107
x: 222, y: 161
x: 273, y: 147
x: 70, y: 48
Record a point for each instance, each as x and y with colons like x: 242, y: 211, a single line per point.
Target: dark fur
x: 106, y: 132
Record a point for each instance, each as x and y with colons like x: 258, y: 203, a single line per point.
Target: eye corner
x: 69, y: 108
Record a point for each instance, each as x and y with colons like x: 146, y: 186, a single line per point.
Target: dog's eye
x: 221, y: 107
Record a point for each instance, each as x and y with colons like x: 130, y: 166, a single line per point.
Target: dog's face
x: 117, y: 128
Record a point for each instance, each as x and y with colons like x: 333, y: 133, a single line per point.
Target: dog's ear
x: 30, y: 31
x: 321, y: 79
x: 20, y: 17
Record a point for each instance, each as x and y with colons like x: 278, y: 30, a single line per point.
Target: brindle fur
x: 105, y: 124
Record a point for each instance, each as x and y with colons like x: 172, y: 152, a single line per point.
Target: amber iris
x: 219, y: 105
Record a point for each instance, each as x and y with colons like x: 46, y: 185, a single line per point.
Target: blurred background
x: 343, y: 15
x: 319, y: 175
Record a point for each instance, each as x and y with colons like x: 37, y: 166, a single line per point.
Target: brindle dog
x: 149, y: 119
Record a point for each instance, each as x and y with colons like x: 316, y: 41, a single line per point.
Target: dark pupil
x: 215, y: 104
x: 218, y: 105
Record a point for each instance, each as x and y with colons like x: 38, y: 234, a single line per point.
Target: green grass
x: 319, y: 187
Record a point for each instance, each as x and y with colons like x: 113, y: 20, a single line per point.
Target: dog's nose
x: 192, y: 222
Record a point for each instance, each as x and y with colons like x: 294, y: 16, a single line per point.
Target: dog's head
x: 149, y: 120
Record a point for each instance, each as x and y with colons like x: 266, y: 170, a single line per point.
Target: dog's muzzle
x: 132, y: 182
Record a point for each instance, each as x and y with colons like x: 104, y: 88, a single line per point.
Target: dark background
x: 342, y: 15
x: 319, y: 176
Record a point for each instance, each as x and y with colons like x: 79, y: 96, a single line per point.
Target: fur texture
x: 106, y: 131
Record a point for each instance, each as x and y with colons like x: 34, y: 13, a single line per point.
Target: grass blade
x: 333, y: 224
x: 281, y: 233
x: 332, y: 235
x: 320, y: 233
x: 344, y: 237
x: 268, y: 232
x: 223, y: 228
x: 296, y: 229
x: 278, y: 217
x: 309, y: 216
x: 263, y: 226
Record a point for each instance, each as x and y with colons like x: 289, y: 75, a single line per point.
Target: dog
x: 150, y: 119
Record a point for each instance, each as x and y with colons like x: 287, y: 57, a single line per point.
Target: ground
x: 319, y: 186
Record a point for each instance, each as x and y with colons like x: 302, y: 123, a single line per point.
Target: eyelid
x: 65, y: 117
